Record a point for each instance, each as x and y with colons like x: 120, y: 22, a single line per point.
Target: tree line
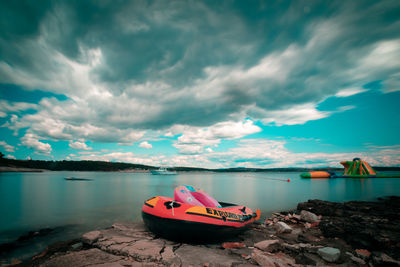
x: 71, y: 165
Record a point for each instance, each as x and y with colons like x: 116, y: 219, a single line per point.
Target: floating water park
x: 357, y: 168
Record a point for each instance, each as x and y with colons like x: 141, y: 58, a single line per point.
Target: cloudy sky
x: 201, y: 83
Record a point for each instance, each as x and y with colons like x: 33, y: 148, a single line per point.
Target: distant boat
x: 76, y: 179
x: 162, y: 171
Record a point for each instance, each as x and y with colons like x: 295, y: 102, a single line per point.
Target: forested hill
x: 86, y: 165
x: 70, y: 165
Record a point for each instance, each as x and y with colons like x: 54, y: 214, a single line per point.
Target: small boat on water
x: 77, y: 179
x: 162, y: 171
x: 193, y: 215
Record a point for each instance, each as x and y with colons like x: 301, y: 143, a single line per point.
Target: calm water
x: 32, y: 201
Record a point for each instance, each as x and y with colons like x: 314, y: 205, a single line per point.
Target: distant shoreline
x: 17, y: 169
x: 14, y: 165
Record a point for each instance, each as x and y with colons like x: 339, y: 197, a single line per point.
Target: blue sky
x: 201, y: 83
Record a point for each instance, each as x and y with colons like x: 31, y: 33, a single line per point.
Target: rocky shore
x: 317, y: 233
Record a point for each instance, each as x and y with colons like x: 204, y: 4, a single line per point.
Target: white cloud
x: 254, y: 153
x: 392, y: 83
x: 71, y: 120
x: 350, y: 91
x: 298, y: 114
x: 189, y: 149
x: 10, y: 157
x: 31, y: 141
x: 145, y: 144
x: 79, y: 145
x: 7, y: 147
x: 7, y: 107
x: 384, y: 55
x: 194, y: 139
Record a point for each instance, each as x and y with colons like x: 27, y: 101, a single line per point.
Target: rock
x: 199, y: 255
x: 362, y: 224
x: 268, y: 245
x: 329, y: 254
x: 358, y: 260
x: 168, y: 256
x: 296, y: 216
x: 77, y: 245
x: 261, y: 258
x: 82, y: 258
x: 385, y: 260
x: 344, y: 227
x: 282, y: 227
x: 91, y: 237
x: 15, y: 261
x: 272, y: 260
x: 308, y: 216
x: 291, y: 247
x: 233, y: 245
x: 268, y: 222
x: 363, y: 253
x: 145, y: 250
x: 305, y: 259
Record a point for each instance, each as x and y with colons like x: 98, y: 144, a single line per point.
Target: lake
x: 33, y: 201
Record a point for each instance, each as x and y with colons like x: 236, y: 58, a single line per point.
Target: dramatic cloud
x: 198, y: 71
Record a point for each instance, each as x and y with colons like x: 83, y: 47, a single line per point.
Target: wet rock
x: 282, y: 227
x: 329, y: 254
x: 308, y: 216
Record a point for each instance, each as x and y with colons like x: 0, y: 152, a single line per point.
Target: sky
x: 213, y: 84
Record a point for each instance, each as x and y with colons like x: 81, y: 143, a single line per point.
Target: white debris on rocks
x: 308, y: 216
x: 282, y: 227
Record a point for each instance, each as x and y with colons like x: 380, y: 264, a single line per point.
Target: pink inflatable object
x: 194, y: 196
